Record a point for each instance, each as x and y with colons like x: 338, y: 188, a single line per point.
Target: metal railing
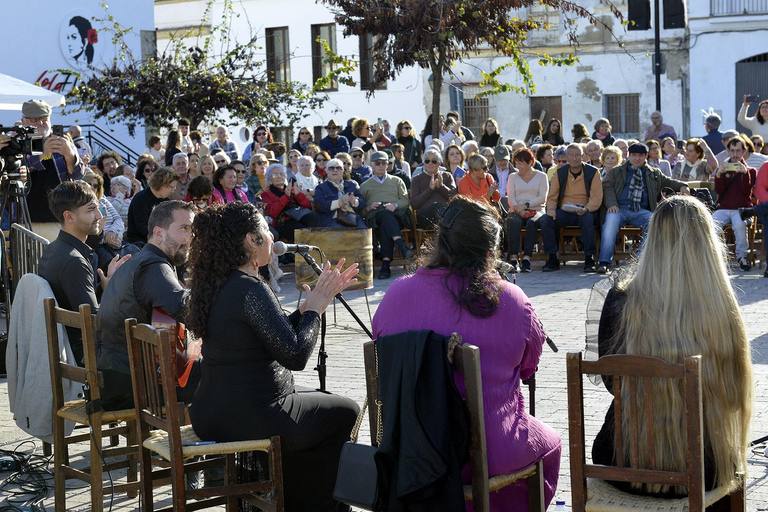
x: 101, y: 140
x: 26, y: 249
x: 735, y: 7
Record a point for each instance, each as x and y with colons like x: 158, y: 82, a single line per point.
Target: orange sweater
x: 467, y: 187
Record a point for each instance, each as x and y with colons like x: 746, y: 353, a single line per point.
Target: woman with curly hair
x: 690, y: 317
x: 250, y: 346
x: 261, y: 137
x: 467, y: 296
x: 412, y: 147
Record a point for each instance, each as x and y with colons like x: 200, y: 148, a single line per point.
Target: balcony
x: 737, y: 7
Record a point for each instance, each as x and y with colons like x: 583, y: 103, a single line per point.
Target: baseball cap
x: 379, y: 155
x: 729, y: 134
x: 501, y: 153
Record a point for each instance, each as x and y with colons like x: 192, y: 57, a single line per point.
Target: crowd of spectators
x: 538, y: 182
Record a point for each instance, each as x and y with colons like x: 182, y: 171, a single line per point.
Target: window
x: 319, y: 67
x: 623, y: 111
x: 545, y: 108
x: 367, y: 66
x: 474, y: 111
x: 284, y: 135
x: 278, y: 55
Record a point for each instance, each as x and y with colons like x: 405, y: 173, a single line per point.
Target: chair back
x: 638, y: 373
x: 154, y: 385
x: 465, y: 360
x: 89, y: 374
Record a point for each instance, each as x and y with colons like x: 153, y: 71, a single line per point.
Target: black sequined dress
x: 247, y: 391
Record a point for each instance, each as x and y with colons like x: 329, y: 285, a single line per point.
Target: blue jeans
x: 762, y: 216
x: 615, y: 221
x: 586, y: 222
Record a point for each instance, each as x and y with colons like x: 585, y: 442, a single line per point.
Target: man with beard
x: 68, y: 264
x: 146, y: 282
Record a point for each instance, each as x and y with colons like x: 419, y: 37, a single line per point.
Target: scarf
x: 303, y: 147
x: 636, y: 188
x: 278, y: 192
x: 601, y: 136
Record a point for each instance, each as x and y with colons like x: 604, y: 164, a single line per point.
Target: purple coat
x: 510, y: 345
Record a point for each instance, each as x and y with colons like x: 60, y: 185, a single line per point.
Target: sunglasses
x: 303, y: 133
x: 334, y: 168
x: 431, y: 161
x: 261, y: 134
x: 380, y: 162
x: 240, y: 172
x: 407, y: 128
x: 221, y: 161
x: 260, y: 162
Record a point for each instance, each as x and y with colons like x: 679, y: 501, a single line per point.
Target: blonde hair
x: 613, y: 150
x: 203, y: 159
x: 671, y: 313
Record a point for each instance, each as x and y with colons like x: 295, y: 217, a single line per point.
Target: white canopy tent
x: 14, y: 92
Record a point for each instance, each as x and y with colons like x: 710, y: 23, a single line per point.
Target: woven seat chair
x: 589, y: 490
x: 466, y: 360
x: 100, y: 422
x: 150, y: 356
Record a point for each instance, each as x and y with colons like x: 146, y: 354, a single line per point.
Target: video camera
x: 23, y: 142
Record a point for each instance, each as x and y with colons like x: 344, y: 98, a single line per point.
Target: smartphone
x: 751, y: 98
x: 731, y: 167
x: 58, y: 130
x: 378, y: 121
x: 681, y: 145
x: 103, y: 211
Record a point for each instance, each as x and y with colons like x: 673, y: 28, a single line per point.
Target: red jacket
x: 735, y: 189
x: 761, y: 185
x: 275, y: 205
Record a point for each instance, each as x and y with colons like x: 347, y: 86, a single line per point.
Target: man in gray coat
x: 631, y: 192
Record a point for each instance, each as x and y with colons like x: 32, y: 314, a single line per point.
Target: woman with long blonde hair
x: 662, y: 307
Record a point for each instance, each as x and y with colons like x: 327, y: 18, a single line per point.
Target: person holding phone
x: 59, y: 162
x: 734, y: 183
x: 759, y: 123
x: 286, y: 204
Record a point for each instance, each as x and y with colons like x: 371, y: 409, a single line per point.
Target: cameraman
x: 59, y: 162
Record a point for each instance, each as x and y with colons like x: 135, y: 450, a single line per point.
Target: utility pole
x: 657, y: 54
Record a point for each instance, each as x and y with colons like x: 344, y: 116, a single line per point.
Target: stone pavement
x: 560, y: 299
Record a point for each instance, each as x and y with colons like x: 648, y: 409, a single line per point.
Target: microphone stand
x: 322, y: 355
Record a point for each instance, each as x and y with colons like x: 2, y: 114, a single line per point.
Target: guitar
x: 187, y: 349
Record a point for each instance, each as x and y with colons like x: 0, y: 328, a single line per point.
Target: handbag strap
x: 359, y: 421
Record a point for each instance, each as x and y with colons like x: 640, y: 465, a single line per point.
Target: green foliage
x: 196, y: 82
x: 433, y: 34
x: 341, y: 69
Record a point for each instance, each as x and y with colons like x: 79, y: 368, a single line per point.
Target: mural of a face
x: 79, y: 40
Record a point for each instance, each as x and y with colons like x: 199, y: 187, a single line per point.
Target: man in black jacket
x: 146, y: 282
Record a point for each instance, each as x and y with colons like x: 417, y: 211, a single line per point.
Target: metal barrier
x: 26, y: 249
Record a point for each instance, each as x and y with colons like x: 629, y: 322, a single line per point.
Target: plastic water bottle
x: 560, y: 506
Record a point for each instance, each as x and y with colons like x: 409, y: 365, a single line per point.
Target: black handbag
x: 357, y: 480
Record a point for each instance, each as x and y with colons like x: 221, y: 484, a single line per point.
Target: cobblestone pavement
x: 560, y: 299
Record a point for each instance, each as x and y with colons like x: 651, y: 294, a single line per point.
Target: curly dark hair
x: 217, y: 249
x: 463, y: 249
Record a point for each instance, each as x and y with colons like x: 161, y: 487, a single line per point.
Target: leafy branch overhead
x: 198, y: 82
x: 434, y: 34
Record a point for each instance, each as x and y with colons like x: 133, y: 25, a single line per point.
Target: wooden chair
x: 466, y: 360
x: 77, y: 411
x: 154, y: 386
x: 589, y: 490
x: 627, y: 243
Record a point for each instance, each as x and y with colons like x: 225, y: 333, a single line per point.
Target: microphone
x: 280, y: 248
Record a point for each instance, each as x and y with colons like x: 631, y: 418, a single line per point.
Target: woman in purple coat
x: 458, y: 290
